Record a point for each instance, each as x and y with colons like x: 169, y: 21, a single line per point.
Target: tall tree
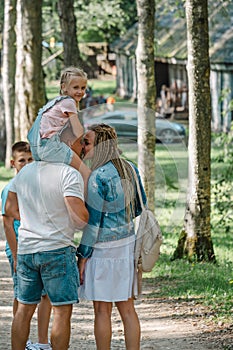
x: 8, y: 74
x: 68, y: 32
x: 195, y: 240
x: 146, y: 96
x: 29, y: 83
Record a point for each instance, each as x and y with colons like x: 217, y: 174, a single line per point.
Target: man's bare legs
x: 43, y: 318
x: 103, y: 326
x: 21, y: 326
x: 60, y: 333
x: 131, y: 324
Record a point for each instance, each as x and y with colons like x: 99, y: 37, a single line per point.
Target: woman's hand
x: 81, y: 267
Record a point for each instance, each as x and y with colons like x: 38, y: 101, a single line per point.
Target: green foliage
x: 97, y: 20
x: 222, y: 170
x: 104, y: 19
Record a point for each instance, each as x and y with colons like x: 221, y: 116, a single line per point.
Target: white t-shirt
x: 45, y: 221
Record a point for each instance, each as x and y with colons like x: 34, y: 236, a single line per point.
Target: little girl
x: 57, y: 126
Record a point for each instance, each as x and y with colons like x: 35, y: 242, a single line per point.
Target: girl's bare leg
x: 103, y: 326
x: 131, y: 324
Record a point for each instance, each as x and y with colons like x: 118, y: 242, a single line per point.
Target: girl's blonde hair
x: 68, y: 73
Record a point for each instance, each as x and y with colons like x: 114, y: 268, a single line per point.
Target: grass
x: 102, y: 87
x: 209, y: 284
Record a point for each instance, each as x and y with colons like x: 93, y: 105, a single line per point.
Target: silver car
x: 126, y: 126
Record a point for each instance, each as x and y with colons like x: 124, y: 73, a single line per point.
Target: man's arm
x: 77, y: 211
x: 11, y: 206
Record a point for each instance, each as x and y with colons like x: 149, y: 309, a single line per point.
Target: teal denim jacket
x: 106, y: 207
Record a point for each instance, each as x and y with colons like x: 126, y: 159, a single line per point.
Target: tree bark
x: 29, y: 83
x: 195, y: 240
x: 146, y: 96
x: 8, y: 74
x: 68, y: 32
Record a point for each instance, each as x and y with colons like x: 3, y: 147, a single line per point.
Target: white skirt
x: 109, y: 273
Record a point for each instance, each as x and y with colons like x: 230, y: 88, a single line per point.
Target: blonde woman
x: 106, y: 252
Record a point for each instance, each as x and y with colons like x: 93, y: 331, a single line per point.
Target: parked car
x: 126, y: 126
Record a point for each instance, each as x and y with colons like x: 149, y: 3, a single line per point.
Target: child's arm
x: 11, y: 206
x: 8, y: 224
x: 78, y: 164
x: 77, y: 127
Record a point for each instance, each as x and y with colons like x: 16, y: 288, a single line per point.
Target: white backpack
x: 149, y: 236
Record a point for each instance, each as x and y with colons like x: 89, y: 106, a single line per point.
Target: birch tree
x: 8, y: 74
x: 29, y: 83
x: 195, y: 240
x: 146, y: 96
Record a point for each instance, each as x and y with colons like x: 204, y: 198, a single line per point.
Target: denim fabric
x: 55, y: 270
x: 106, y: 207
x: 14, y: 276
x: 52, y: 149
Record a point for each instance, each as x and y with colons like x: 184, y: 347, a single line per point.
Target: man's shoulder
x: 66, y: 171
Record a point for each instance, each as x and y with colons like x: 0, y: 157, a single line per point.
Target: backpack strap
x: 138, y: 186
x: 51, y: 103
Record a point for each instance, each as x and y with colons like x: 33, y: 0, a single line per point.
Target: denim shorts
x: 55, y: 270
x: 52, y: 150
x: 13, y: 275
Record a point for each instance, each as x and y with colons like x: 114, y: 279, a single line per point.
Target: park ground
x: 166, y: 324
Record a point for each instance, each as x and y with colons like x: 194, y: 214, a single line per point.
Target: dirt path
x: 165, y: 324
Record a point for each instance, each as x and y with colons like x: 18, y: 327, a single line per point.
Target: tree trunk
x: 68, y: 32
x: 195, y: 240
x: 2, y: 127
x: 146, y: 96
x: 8, y: 74
x: 29, y: 83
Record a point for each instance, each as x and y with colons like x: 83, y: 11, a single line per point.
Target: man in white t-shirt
x: 48, y: 198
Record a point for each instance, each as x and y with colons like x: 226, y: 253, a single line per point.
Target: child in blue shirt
x: 21, y: 156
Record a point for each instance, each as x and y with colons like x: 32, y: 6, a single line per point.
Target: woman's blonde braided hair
x: 105, y: 150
